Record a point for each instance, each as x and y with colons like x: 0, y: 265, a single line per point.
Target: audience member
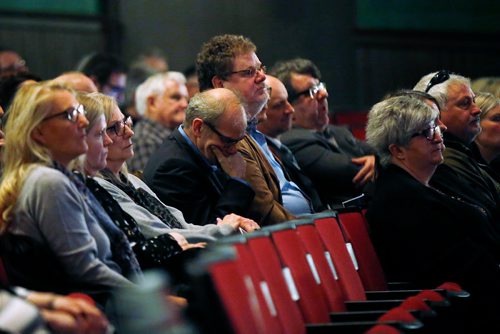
x: 198, y: 169
x: 230, y: 61
x: 154, y: 58
x: 460, y: 175
x: 11, y: 63
x: 487, y: 85
x: 77, y: 81
x: 25, y: 311
x: 53, y: 236
x: 421, y: 235
x: 486, y: 147
x: 338, y: 164
x: 136, y: 75
x: 276, y: 119
x: 107, y: 71
x: 164, y: 247
x: 161, y: 101
x: 193, y: 87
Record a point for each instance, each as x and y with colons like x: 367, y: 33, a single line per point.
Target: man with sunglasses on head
x: 197, y: 169
x: 460, y: 175
x: 338, y: 164
x: 230, y: 61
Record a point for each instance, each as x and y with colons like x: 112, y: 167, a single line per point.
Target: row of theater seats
x: 318, y: 274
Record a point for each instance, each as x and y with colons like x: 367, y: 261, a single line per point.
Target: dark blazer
x: 460, y: 175
x: 426, y: 237
x: 181, y: 178
x: 296, y: 174
x: 327, y: 163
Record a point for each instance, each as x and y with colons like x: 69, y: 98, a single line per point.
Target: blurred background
x: 364, y: 48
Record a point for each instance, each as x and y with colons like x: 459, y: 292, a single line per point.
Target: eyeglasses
x: 72, y: 114
x: 437, y: 79
x: 18, y: 65
x: 429, y: 133
x: 119, y: 127
x: 251, y: 71
x: 312, y: 92
x: 226, y: 140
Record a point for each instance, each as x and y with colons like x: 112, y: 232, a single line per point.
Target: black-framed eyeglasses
x: 250, y: 72
x: 119, y: 127
x: 437, y: 79
x: 429, y: 133
x: 72, y: 114
x: 225, y: 139
x: 312, y: 92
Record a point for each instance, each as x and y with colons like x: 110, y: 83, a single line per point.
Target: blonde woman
x: 486, y: 147
x: 52, y: 237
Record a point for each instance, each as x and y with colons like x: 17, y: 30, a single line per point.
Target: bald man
x: 198, y: 169
x: 77, y: 80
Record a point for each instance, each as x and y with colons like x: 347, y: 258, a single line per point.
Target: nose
x: 230, y: 149
x: 184, y: 102
x: 322, y: 94
x: 289, y: 108
x: 128, y: 132
x: 83, y: 122
x: 260, y: 76
x: 107, y: 140
x: 441, y: 125
x: 475, y: 110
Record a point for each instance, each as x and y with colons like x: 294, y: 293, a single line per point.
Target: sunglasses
x: 437, y: 79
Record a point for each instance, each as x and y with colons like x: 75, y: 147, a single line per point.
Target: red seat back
x: 354, y: 226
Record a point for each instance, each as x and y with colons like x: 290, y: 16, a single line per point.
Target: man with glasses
x: 338, y: 164
x: 197, y: 169
x: 231, y: 62
x: 460, y: 175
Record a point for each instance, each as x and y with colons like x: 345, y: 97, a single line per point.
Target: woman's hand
x: 248, y: 225
x: 69, y: 314
x: 182, y: 241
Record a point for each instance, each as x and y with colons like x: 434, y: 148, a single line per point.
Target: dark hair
x: 10, y: 84
x: 216, y: 57
x: 101, y: 66
x: 283, y: 70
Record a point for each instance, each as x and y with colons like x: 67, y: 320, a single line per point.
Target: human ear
x: 397, y: 151
x: 217, y: 82
x: 196, y: 126
x: 37, y: 135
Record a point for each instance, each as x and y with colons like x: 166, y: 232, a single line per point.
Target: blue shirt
x: 293, y: 198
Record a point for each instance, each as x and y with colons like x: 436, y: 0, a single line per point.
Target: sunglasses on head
x: 437, y: 79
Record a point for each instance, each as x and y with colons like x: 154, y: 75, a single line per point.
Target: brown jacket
x: 267, y: 206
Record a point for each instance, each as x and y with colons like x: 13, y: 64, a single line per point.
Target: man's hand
x: 248, y: 225
x: 234, y: 165
x: 367, y: 172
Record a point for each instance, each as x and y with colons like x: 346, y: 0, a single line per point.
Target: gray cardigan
x: 151, y: 226
x: 51, y: 210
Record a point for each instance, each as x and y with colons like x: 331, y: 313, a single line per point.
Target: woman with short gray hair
x: 421, y: 235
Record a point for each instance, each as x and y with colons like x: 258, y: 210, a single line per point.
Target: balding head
x: 77, y: 81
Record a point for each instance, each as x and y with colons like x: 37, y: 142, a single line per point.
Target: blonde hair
x: 486, y: 102
x: 94, y: 108
x: 32, y: 103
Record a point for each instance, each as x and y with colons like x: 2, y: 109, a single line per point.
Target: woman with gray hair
x: 422, y: 235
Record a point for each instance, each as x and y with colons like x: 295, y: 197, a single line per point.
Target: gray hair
x: 393, y: 121
x: 155, y: 85
x: 440, y: 91
x: 208, y: 107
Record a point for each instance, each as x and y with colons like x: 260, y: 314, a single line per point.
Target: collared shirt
x: 293, y: 197
x: 148, y: 136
